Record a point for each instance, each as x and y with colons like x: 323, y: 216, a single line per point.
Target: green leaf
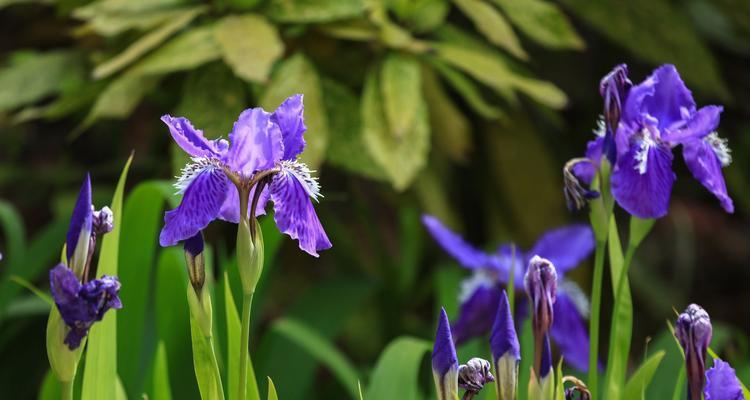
x: 212, y: 98
x: 33, y: 289
x: 146, y: 43
x: 30, y: 76
x: 272, y: 390
x: 321, y: 349
x: 112, y: 23
x: 185, y: 51
x: 543, y: 22
x: 492, y: 25
x: 420, y: 16
x: 120, y: 97
x: 401, y: 89
x: 249, y: 44
x: 233, y: 342
x: 468, y: 90
x: 342, y: 108
x: 397, y: 369
x: 204, y: 357
x: 401, y: 158
x: 100, y: 374
x: 657, y: 32
x: 451, y: 129
x: 160, y: 378
x: 50, y: 389
x: 298, y: 75
x: 635, y: 389
x: 313, y: 11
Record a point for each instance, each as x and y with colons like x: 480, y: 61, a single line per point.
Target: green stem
x: 511, y: 290
x: 596, y: 303
x: 66, y: 390
x: 247, y: 301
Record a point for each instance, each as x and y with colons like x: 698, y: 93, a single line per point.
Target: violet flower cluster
x: 565, y: 247
x: 642, y: 125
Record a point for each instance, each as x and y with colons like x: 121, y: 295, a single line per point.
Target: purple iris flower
x: 657, y: 115
x: 445, y: 360
x: 693, y: 330
x: 722, y: 383
x: 566, y: 247
x: 260, y: 145
x: 81, y: 305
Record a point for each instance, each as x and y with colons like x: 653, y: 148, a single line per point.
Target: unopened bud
x: 249, y: 255
x: 195, y: 261
x: 473, y: 375
x: 693, y: 331
x: 103, y: 221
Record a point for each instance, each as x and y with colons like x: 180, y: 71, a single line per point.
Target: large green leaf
x: 30, y: 77
x: 307, y: 11
x: 543, y: 22
x: 492, y: 25
x: 397, y: 369
x: 656, y: 31
x: 146, y: 43
x: 401, y: 158
x: 321, y: 349
x: 249, y: 44
x: 401, y: 86
x: 635, y: 389
x: 298, y: 75
x: 100, y: 374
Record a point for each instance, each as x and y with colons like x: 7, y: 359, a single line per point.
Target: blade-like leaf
x: 249, y: 44
x: 160, y: 389
x: 100, y: 374
x: 635, y: 389
x: 272, y: 390
x: 468, y: 90
x: 397, y: 369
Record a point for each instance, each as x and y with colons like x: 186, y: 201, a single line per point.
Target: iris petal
x: 566, y: 246
x: 722, y: 383
x: 290, y: 119
x: 192, y: 140
x: 570, y: 333
x: 705, y: 165
x: 671, y: 100
x: 200, y: 205
x: 645, y: 195
x: 700, y: 124
x: 256, y: 142
x: 475, y: 315
x: 466, y: 254
x: 80, y: 221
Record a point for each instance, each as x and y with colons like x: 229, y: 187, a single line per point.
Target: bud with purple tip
x: 506, y: 351
x: 693, y: 331
x: 541, y: 287
x: 445, y: 361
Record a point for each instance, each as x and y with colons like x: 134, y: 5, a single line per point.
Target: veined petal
x: 671, y: 100
x: 444, y: 360
x: 722, y: 383
x: 290, y: 119
x: 192, y: 140
x: 566, y: 246
x: 705, y: 158
x: 466, y: 254
x: 642, y: 180
x: 700, y: 124
x: 255, y: 142
x: 200, y: 205
x: 291, y: 190
x: 80, y: 230
x: 570, y: 333
x: 479, y: 301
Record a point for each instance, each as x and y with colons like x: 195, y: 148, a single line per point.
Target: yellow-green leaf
x: 397, y: 369
x: 310, y: 11
x: 635, y: 389
x: 249, y: 44
x: 185, y: 51
x: 543, y: 22
x: 272, y: 395
x: 492, y: 25
x: 400, y: 85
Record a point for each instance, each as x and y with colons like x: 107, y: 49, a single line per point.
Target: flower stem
x: 66, y: 390
x: 247, y: 301
x: 596, y: 300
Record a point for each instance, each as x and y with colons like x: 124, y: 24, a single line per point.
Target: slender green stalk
x: 596, y: 303
x: 511, y: 290
x: 66, y: 390
x: 247, y: 302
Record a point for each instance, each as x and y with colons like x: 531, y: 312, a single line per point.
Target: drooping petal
x: 230, y: 209
x: 466, y: 254
x: 479, y: 302
x: 290, y: 119
x: 703, y: 161
x: 566, y: 246
x: 200, y: 205
x: 642, y: 180
x: 722, y: 383
x: 255, y: 142
x: 671, y: 100
x: 586, y: 171
x: 504, y: 339
x: 291, y: 192
x: 570, y: 333
x: 699, y: 125
x: 192, y: 140
x: 77, y: 240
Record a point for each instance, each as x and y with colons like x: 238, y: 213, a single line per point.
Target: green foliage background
x: 465, y: 109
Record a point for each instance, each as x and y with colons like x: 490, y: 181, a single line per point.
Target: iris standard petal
x: 200, y: 205
x: 566, y: 246
x: 192, y: 140
x: 80, y: 221
x: 476, y: 311
x: 466, y: 254
x: 642, y: 181
x: 671, y: 100
x: 704, y: 163
x: 699, y: 125
x: 255, y: 142
x: 290, y: 119
x: 722, y: 383
x: 291, y: 191
x: 570, y: 333
x: 586, y: 171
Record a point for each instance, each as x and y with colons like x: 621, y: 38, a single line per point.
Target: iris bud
x: 473, y: 375
x: 195, y: 262
x: 103, y: 221
x: 693, y: 331
x: 445, y: 361
x: 506, y: 351
x: 249, y: 255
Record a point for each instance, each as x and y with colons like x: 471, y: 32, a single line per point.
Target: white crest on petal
x: 303, y: 174
x: 479, y: 279
x: 601, y: 128
x: 646, y: 143
x: 193, y: 170
x: 720, y: 146
x: 576, y: 295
